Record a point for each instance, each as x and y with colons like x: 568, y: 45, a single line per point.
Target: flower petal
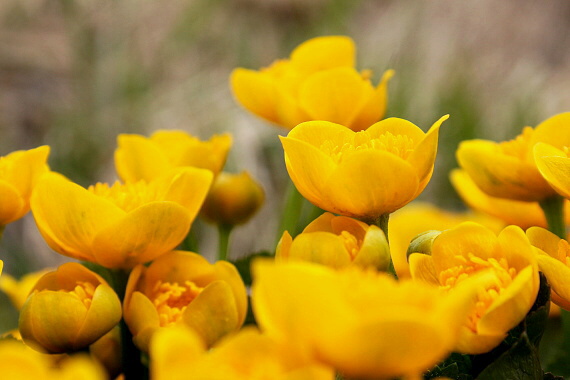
x: 375, y: 108
x: 137, y: 157
x: 255, y: 91
x: 554, y: 165
x: 13, y: 206
x: 323, y: 53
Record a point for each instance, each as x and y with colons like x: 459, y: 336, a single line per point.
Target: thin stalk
x: 291, y: 212
x: 553, y: 208
x: 224, y: 233
x: 382, y: 222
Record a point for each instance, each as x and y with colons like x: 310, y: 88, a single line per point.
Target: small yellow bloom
x: 179, y: 354
x: 119, y: 226
x: 554, y: 261
x: 183, y: 288
x: 233, y: 199
x: 68, y: 309
x: 361, y: 174
x: 419, y: 217
x: 364, y: 324
x: 18, y: 290
x: 318, y: 82
x: 508, y: 169
x: 19, y: 172
x: 138, y: 157
x: 469, y: 249
x: 337, y: 241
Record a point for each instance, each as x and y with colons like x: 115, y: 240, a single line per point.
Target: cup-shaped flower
x: 233, y: 199
x: 419, y: 217
x: 179, y: 353
x: 68, y: 309
x: 122, y: 225
x: 138, y: 157
x: 361, y: 174
x: 183, y: 288
x: 471, y: 249
x: 508, y: 169
x: 554, y: 261
x: 19, y: 173
x: 337, y: 241
x: 364, y: 324
x: 318, y: 82
x: 18, y: 290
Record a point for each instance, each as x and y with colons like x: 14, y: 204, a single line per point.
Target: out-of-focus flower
x: 18, y: 290
x: 468, y: 250
x: 68, y: 309
x: 361, y: 174
x: 554, y: 166
x: 183, y: 288
x: 233, y: 199
x: 419, y: 217
x: 19, y: 362
x: 554, y: 261
x: 138, y: 157
x: 508, y: 169
x: 119, y: 226
x: 337, y: 241
x: 179, y: 353
x: 318, y: 82
x: 107, y: 351
x: 19, y: 172
x: 364, y: 324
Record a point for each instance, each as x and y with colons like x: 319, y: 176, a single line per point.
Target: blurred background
x: 75, y: 74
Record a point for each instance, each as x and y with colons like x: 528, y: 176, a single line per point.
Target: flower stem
x: 382, y: 222
x: 553, y: 208
x: 292, y: 211
x: 224, y: 232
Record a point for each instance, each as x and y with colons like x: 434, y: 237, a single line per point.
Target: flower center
x: 519, y: 146
x: 84, y: 292
x: 126, y: 196
x: 171, y: 299
x: 351, y: 243
x: 399, y: 145
x: 485, y: 298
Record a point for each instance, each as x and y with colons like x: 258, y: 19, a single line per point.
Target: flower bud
x: 422, y: 243
x: 68, y: 309
x: 233, y: 199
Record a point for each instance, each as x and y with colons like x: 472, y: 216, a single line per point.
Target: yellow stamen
x: 171, y: 299
x: 84, y: 292
x: 126, y: 196
x: 351, y: 243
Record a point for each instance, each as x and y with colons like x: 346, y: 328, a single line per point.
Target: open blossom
x: 318, y: 82
x: 183, y: 288
x: 19, y: 173
x: 122, y: 225
x: 361, y: 174
x: 471, y: 249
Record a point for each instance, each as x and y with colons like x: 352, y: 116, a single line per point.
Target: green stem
x: 382, y: 222
x: 292, y: 211
x: 553, y: 208
x: 133, y: 369
x: 224, y: 232
x: 2, y: 232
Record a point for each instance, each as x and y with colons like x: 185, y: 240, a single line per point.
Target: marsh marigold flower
x: 122, y: 225
x: 183, y: 288
x: 19, y: 173
x: 554, y: 261
x: 365, y: 324
x: 138, y: 157
x: 361, y: 174
x: 337, y: 241
x: 471, y: 249
x: 179, y: 353
x: 68, y: 309
x: 318, y: 82
x: 508, y: 169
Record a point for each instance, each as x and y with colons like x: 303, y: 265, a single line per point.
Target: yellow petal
x: 375, y: 108
x: 545, y: 240
x: 283, y: 247
x: 256, y: 91
x: 324, y: 53
x: 139, y: 158
x: 558, y: 275
x: 30, y: 165
x: 317, y: 133
x: 189, y: 188
x: 374, y: 251
x: 554, y: 165
x: 142, y: 235
x: 13, y: 206
x: 320, y: 247
x: 323, y: 223
x: 422, y: 268
x: 142, y: 318
x: 553, y: 131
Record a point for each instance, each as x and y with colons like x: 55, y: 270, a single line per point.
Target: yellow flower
x: 233, y: 199
x: 318, y: 82
x: 18, y: 290
x: 361, y: 174
x: 554, y: 165
x: 68, y: 309
x: 138, y: 157
x: 419, y: 217
x: 554, y: 261
x: 364, y: 324
x: 469, y: 249
x: 183, y: 288
x: 119, y: 226
x: 337, y: 241
x: 179, y: 353
x: 19, y: 172
x: 508, y: 169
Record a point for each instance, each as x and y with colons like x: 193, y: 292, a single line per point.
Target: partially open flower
x: 68, y: 309
x: 183, y: 288
x: 337, y: 241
